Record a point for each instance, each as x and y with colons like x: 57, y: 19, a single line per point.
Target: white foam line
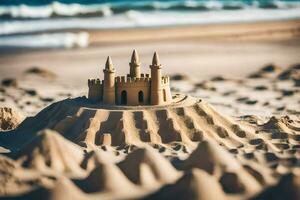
x: 46, y: 11
x: 132, y: 19
x: 51, y: 40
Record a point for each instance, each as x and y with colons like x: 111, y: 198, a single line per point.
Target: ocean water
x: 20, y: 19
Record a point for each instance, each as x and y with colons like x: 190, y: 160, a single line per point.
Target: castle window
x: 123, y: 97
x: 141, y: 97
x: 165, y: 95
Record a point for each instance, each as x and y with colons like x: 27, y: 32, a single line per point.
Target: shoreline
x: 282, y: 30
x: 235, y: 50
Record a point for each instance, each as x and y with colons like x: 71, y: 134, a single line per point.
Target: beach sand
x: 236, y: 138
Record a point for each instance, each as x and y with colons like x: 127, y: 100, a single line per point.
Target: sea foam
x: 46, y: 40
x: 133, y: 19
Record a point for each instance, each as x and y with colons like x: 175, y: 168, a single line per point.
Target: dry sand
x: 236, y: 138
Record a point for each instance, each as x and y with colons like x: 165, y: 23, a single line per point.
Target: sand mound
x: 283, y: 124
x: 287, y: 188
x: 63, y: 189
x: 194, y: 184
x: 212, y: 158
x: 41, y: 72
x: 276, y: 72
x: 293, y: 72
x: 8, y: 119
x: 185, y: 121
x: 7, y: 168
x: 106, y: 178
x: 205, y: 152
x: 267, y: 71
x: 15, y: 180
x: 50, y: 151
x: 146, y: 167
x: 9, y: 82
x: 179, y: 77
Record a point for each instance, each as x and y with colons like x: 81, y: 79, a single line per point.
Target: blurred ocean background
x: 51, y: 24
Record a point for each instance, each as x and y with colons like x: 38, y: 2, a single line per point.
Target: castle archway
x: 124, y: 97
x: 141, y: 97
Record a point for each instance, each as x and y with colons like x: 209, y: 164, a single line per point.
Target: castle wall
x: 95, y: 89
x: 166, y: 91
x: 132, y: 87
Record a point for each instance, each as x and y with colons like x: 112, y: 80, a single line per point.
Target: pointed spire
x: 108, y: 64
x: 155, y: 60
x: 135, y: 57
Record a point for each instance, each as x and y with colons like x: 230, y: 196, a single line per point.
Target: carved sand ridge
x: 187, y: 120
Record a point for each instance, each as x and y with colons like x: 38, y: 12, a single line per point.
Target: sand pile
x: 209, y: 156
x: 147, y: 168
x: 187, y: 150
x: 209, y: 171
x: 49, y: 151
x: 267, y: 71
x: 40, y: 72
x: 8, y: 119
x: 188, y: 121
x: 106, y: 178
x: 287, y: 188
x: 63, y: 189
x: 194, y: 184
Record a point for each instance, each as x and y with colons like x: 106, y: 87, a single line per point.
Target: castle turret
x: 135, y: 65
x: 109, y: 82
x: 156, y: 87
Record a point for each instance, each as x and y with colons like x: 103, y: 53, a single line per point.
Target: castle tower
x: 135, y: 65
x: 156, y: 96
x: 109, y: 82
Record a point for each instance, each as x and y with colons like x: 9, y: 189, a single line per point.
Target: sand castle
x: 134, y: 89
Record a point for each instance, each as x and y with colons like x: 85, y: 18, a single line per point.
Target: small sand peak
x: 194, y: 184
x: 213, y: 157
x: 161, y: 169
x: 105, y: 177
x: 49, y: 150
x: 66, y: 189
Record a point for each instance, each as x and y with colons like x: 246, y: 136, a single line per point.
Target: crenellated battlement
x: 142, y: 75
x: 95, y: 89
x: 95, y: 82
x: 122, y: 81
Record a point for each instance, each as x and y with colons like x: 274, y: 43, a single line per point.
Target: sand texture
x: 8, y: 119
x: 75, y: 149
x: 232, y: 132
